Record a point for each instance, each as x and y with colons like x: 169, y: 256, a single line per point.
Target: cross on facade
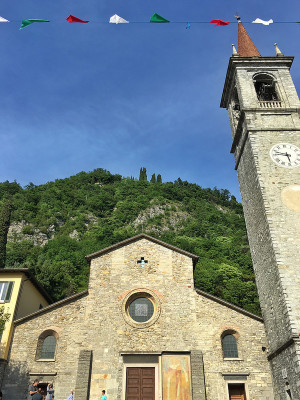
x: 142, y: 261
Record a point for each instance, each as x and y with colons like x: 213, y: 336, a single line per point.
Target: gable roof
x: 79, y: 295
x: 52, y: 306
x: 139, y: 237
x: 31, y: 278
x: 229, y: 305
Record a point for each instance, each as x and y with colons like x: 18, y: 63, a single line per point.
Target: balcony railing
x: 270, y: 104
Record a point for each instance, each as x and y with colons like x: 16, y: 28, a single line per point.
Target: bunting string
x: 156, y: 18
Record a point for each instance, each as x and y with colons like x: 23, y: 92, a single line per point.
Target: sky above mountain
x: 75, y: 97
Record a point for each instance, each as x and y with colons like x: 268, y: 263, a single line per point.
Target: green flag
x: 26, y: 22
x: 157, y: 18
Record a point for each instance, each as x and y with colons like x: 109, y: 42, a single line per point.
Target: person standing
x: 70, y: 397
x: 33, y: 388
x: 50, y: 392
x: 104, y: 397
x: 37, y: 395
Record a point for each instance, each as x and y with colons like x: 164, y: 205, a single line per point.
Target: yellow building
x: 20, y: 295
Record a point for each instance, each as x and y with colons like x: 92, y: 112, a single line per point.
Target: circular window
x: 141, y: 309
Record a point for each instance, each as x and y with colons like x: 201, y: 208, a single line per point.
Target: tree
x: 102, y: 209
x: 5, y: 213
x: 143, y: 174
x: 153, y: 179
x: 4, y: 317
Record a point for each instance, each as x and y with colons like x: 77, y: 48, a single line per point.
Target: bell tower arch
x: 264, y: 115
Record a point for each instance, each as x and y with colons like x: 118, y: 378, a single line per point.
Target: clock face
x: 285, y: 155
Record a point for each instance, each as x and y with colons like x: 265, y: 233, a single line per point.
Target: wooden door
x: 237, y: 391
x: 140, y: 383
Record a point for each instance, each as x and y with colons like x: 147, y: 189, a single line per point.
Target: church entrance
x: 237, y: 391
x: 140, y: 383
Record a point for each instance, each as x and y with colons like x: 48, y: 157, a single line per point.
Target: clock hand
x: 281, y: 154
x: 288, y: 156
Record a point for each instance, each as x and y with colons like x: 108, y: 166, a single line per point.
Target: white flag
x: 115, y: 19
x: 3, y: 20
x: 260, y: 21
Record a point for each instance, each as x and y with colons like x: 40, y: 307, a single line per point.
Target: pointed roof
x: 246, y: 48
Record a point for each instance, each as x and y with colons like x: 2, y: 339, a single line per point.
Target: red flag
x: 219, y: 22
x: 71, y: 18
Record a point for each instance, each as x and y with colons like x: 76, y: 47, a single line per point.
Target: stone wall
x: 184, y: 321
x: 68, y: 322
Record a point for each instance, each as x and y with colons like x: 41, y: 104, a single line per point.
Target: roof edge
x: 138, y: 237
x: 32, y: 279
x: 229, y: 305
x: 51, y: 306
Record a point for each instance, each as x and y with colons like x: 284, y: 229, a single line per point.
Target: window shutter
x: 8, y: 291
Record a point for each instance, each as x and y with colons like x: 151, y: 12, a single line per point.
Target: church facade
x: 141, y: 332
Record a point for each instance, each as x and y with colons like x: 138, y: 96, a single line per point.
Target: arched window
x: 229, y: 345
x: 46, y: 345
x: 265, y: 88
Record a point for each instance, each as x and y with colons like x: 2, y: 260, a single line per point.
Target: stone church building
x: 141, y: 332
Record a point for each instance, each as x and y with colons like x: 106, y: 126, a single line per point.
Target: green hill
x: 50, y: 228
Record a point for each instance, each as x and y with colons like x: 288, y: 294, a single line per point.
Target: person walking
x: 104, y: 397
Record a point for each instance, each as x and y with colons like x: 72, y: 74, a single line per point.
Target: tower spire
x: 246, y: 48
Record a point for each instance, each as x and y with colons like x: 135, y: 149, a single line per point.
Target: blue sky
x: 75, y: 97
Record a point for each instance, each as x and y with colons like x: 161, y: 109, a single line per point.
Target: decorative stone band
x: 293, y: 340
x: 236, y: 376
x: 42, y: 373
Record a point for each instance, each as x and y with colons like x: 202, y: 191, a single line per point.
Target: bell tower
x: 264, y: 114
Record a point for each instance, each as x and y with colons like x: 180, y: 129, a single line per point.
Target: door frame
x: 239, y: 382
x: 141, y: 365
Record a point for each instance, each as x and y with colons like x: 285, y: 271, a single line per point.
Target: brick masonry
x: 273, y: 228
x: 97, y: 322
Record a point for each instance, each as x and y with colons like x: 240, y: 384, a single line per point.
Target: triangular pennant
x: 71, y: 18
x: 3, y: 20
x: 115, y: 19
x: 157, y: 18
x: 26, y: 22
x: 261, y: 21
x: 219, y: 22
